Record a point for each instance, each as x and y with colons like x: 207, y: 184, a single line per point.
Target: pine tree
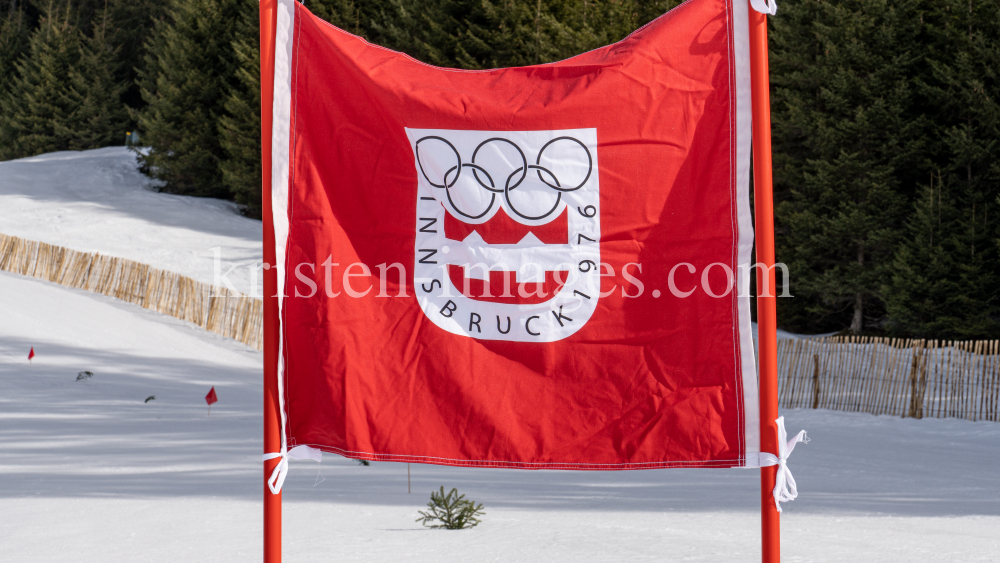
x: 848, y: 139
x: 190, y: 69
x: 14, y: 33
x: 945, y: 283
x: 84, y: 13
x: 491, y: 34
x: 239, y: 128
x: 129, y: 23
x: 361, y: 18
x: 939, y: 286
x: 478, y: 34
x: 98, y: 117
x: 35, y: 109
x: 64, y: 95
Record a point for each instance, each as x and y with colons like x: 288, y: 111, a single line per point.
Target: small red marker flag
x: 211, y: 398
x: 31, y: 354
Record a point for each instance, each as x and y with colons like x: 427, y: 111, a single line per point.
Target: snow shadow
x: 855, y: 464
x: 98, y: 437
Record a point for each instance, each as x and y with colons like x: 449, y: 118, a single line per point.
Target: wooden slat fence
x: 902, y: 377
x: 895, y: 376
x: 214, y: 308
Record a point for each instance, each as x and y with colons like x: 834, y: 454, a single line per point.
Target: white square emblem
x: 508, y: 231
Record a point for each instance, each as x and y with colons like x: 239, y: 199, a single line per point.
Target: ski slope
x: 91, y: 472
x: 97, y: 201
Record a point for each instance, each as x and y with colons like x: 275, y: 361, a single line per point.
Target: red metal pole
x: 272, y: 422
x: 767, y: 323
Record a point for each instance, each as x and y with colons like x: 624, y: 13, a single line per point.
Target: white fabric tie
x: 281, y: 470
x: 768, y: 8
x: 784, y: 483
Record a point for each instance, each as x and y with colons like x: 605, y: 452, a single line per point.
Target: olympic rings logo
x: 491, y: 182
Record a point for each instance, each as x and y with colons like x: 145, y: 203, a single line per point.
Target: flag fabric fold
x: 543, y: 267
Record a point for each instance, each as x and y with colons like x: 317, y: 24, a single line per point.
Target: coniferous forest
x: 886, y: 122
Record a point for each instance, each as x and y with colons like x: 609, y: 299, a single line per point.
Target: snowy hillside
x: 91, y: 471
x: 97, y: 201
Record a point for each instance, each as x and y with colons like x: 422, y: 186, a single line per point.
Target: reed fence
x: 895, y: 376
x: 213, y: 308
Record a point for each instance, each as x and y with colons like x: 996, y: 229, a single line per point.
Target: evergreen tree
x: 84, y: 13
x: 940, y: 287
x: 360, y: 18
x: 239, y: 128
x: 35, y: 111
x: 848, y: 138
x: 190, y: 69
x: 98, y: 117
x: 14, y: 34
x: 478, y: 34
x: 945, y: 279
x: 63, y: 95
x: 492, y: 34
x: 129, y: 23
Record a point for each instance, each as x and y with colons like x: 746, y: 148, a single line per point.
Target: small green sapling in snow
x: 451, y: 510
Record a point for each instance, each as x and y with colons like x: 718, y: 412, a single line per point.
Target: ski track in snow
x: 98, y: 201
x: 90, y: 472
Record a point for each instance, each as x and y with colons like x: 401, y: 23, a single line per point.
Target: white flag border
x: 745, y: 222
x: 280, y: 175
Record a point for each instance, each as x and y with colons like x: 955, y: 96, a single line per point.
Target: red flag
x: 537, y: 267
x: 31, y: 353
x: 211, y: 397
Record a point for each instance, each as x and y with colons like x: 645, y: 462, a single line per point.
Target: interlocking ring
x: 513, y: 180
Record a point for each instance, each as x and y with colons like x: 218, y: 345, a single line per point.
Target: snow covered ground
x: 89, y: 472
x: 97, y: 201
